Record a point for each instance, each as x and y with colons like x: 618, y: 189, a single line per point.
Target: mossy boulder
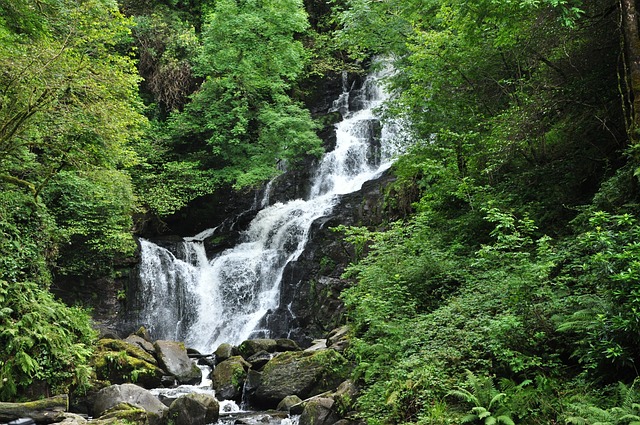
x: 174, y: 359
x: 194, y: 409
x: 123, y: 414
x: 228, y: 378
x: 304, y: 374
x: 319, y: 411
x: 126, y: 401
x: 118, y: 362
x: 252, y: 346
x: 225, y: 351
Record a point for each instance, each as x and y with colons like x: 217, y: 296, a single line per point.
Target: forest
x: 505, y: 290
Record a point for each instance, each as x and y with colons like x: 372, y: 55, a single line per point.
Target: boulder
x: 287, y: 402
x: 117, y: 396
x: 119, y: 362
x: 228, y: 378
x: 253, y: 346
x: 284, y: 344
x: 319, y: 411
x: 259, y: 359
x: 73, y: 419
x: 224, y: 351
x: 174, y: 359
x: 124, y: 414
x: 194, y: 409
x: 304, y: 374
x: 338, y: 339
x: 142, y: 343
x: 345, y: 397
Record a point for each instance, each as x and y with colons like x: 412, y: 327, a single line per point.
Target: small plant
x: 487, y: 402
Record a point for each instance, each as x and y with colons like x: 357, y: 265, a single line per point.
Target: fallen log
x: 47, y: 410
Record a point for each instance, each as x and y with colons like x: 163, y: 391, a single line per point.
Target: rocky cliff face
x: 311, y: 286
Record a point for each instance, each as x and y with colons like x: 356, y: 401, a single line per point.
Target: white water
x: 205, y: 302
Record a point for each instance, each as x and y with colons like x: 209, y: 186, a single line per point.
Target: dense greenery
x: 113, y: 110
x: 507, y: 293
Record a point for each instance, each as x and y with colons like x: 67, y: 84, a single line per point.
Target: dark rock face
x: 309, y: 300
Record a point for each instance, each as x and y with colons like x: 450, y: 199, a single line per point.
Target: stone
x: 287, y: 402
x: 119, y: 362
x: 73, y: 419
x: 224, y: 351
x: 252, y: 346
x: 173, y: 358
x: 345, y: 396
x: 142, y: 343
x: 194, y: 409
x: 124, y: 414
x: 228, y: 378
x: 118, y: 396
x: 259, y: 359
x: 319, y: 411
x: 304, y: 374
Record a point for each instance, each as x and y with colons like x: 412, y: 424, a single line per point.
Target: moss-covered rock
x: 304, y: 374
x: 127, y: 401
x: 119, y: 362
x: 174, y: 359
x: 123, y: 414
x: 194, y: 409
x: 228, y: 378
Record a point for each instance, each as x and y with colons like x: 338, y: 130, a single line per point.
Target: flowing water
x: 207, y: 301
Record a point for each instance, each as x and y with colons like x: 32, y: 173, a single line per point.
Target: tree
x: 242, y: 120
x: 631, y: 34
x: 67, y: 98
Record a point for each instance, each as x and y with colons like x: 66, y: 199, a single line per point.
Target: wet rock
x: 142, y: 343
x: 224, y: 351
x: 252, y: 346
x: 129, y: 399
x: 119, y: 362
x: 300, y: 373
x: 288, y: 402
x: 194, y: 409
x: 259, y: 359
x: 228, y: 378
x: 174, y: 359
x: 319, y: 411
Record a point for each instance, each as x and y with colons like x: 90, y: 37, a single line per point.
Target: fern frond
x: 504, y: 419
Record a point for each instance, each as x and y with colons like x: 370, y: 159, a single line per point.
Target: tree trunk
x: 632, y: 53
x: 47, y: 410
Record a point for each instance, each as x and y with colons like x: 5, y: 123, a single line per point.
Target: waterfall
x: 205, y: 302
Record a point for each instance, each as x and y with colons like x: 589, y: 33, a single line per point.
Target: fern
x: 487, y: 402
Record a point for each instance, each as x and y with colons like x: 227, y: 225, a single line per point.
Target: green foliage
x: 487, y: 403
x: 42, y: 340
x: 625, y: 410
x: 93, y: 212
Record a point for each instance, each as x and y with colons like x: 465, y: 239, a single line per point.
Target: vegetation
x: 508, y: 293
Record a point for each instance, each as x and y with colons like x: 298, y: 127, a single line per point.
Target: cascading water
x: 205, y: 302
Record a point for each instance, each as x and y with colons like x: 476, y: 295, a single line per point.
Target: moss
x: 119, y: 362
